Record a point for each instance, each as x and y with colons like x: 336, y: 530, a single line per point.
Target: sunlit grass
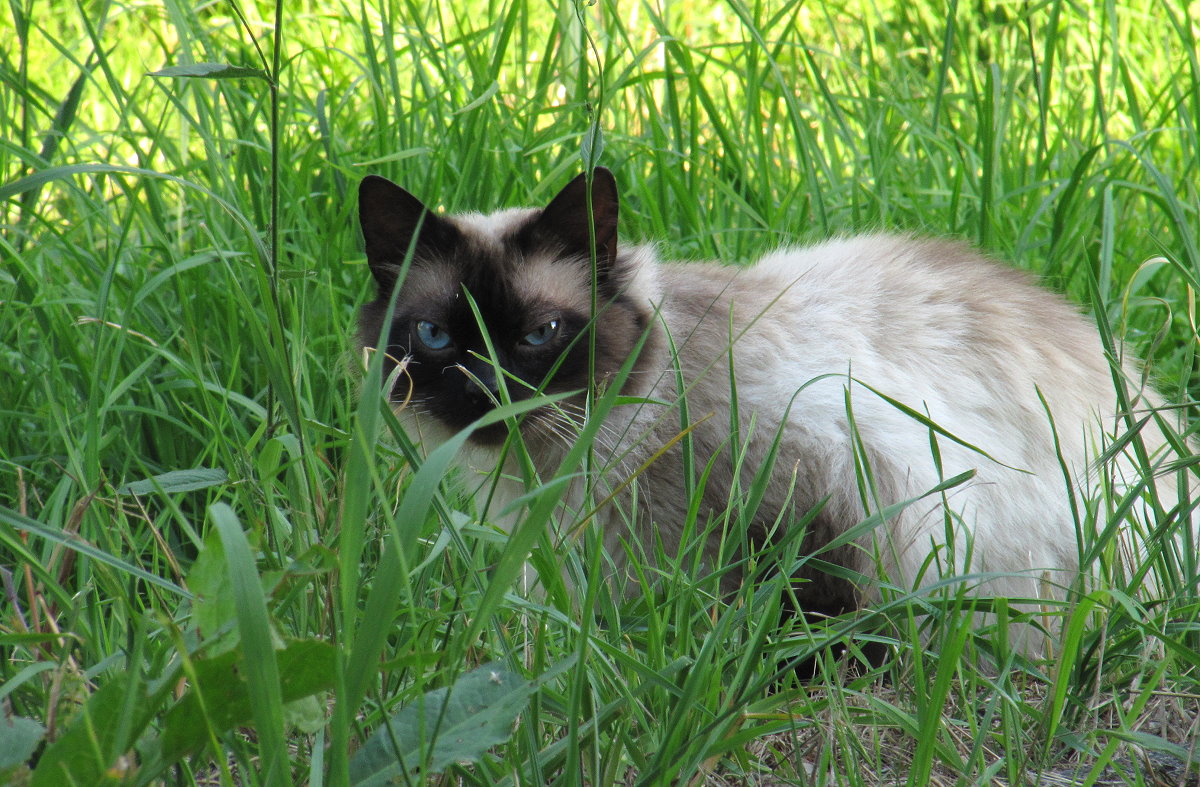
x: 151, y: 322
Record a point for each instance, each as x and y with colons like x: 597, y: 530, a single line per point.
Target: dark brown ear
x: 566, y: 217
x: 390, y: 218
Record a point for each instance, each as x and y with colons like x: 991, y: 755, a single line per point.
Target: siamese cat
x: 851, y: 358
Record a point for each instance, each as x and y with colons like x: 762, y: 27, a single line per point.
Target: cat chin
x: 478, y: 462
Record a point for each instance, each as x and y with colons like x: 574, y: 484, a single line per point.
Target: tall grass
x: 181, y: 265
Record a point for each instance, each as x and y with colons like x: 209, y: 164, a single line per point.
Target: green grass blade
x: 257, y: 637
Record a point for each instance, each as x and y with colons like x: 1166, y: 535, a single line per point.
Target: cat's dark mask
x: 528, y: 273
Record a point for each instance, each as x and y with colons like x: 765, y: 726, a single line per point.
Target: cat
x: 847, y: 353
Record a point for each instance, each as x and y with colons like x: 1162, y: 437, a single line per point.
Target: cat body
x: 851, y: 359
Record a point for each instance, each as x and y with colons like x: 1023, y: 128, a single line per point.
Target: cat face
x: 527, y: 274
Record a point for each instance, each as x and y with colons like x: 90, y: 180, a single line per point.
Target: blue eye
x: 542, y: 334
x: 432, y: 335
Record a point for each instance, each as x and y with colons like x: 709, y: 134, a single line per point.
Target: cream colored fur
x: 965, y: 341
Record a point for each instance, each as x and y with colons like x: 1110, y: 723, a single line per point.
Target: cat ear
x: 566, y: 217
x: 390, y: 217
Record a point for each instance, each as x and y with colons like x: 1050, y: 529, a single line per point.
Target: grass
x: 181, y: 267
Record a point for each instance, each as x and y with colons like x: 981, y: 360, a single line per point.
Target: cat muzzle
x: 479, y: 383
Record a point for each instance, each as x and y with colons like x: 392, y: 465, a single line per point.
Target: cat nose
x: 480, y: 384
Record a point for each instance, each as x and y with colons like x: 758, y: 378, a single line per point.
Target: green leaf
x: 1156, y: 743
x: 177, y: 481
x: 212, y: 71
x: 449, y: 725
x: 261, y: 665
x: 307, y: 714
x: 592, y: 146
x: 95, y: 745
x: 220, y: 698
x: 19, y: 738
x: 213, y: 607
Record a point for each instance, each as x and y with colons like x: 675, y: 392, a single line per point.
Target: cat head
x: 527, y: 272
